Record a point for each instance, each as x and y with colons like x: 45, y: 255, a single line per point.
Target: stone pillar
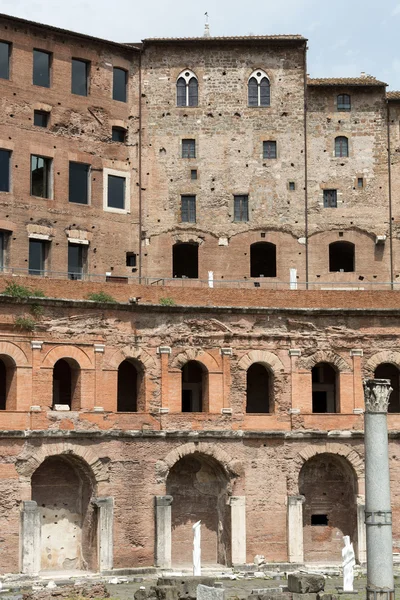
x: 361, y: 535
x: 163, y: 558
x: 105, y: 532
x: 238, y: 529
x: 295, y: 529
x: 164, y: 352
x: 378, y: 514
x: 30, y: 538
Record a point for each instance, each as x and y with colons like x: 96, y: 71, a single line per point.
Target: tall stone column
x: 378, y: 514
x: 105, y: 532
x: 30, y: 538
x: 238, y: 529
x: 163, y: 558
x: 295, y: 529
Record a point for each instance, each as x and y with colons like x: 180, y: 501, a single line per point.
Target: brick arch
x: 27, y: 463
x: 324, y: 356
x: 268, y: 359
x: 386, y: 356
x: 112, y: 362
x: 73, y: 352
x: 200, y: 355
x: 355, y: 461
x: 230, y: 466
x: 15, y: 353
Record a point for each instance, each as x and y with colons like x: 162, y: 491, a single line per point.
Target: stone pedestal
x: 238, y: 529
x: 163, y: 549
x: 105, y: 532
x: 295, y: 529
x: 30, y: 538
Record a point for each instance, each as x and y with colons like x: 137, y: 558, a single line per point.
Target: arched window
x: 343, y: 102
x: 262, y: 259
x: 7, y: 383
x: 194, y: 387
x: 185, y: 260
x: 66, y: 383
x: 341, y: 146
x: 389, y: 371
x: 324, y: 389
x: 187, y: 89
x: 341, y: 257
x: 258, y: 389
x: 129, y: 387
x: 259, y: 90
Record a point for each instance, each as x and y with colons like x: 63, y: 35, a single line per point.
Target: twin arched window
x: 187, y: 89
x: 259, y: 90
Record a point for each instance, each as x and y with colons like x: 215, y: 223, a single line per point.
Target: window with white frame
x: 259, y: 89
x: 187, y: 89
x: 116, y: 195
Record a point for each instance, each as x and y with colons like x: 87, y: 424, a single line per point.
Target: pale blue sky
x: 345, y: 36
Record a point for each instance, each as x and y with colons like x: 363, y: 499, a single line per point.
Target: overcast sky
x: 345, y: 36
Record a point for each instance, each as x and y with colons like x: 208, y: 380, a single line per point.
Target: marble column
x: 30, y: 538
x: 163, y: 558
x: 238, y: 529
x: 105, y: 532
x: 295, y: 529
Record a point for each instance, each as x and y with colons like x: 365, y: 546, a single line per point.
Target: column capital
x: 163, y: 500
x: 226, y: 351
x: 99, y: 347
x: 296, y: 499
x: 237, y: 501
x: 29, y: 505
x: 376, y: 395
x: 36, y: 345
x: 105, y: 501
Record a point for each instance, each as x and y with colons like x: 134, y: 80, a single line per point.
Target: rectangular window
x: 40, y: 176
x: 120, y: 77
x: 130, y: 259
x: 188, y: 148
x: 292, y: 186
x: 41, y: 68
x: 118, y: 134
x: 5, y: 53
x: 360, y: 182
x: 269, y: 149
x: 330, y: 198
x: 79, y: 77
x: 79, y: 183
x: 3, y: 246
x: 188, y: 209
x: 5, y: 160
x: 241, y: 208
x: 37, y: 257
x: 193, y: 174
x: 41, y: 118
x: 76, y: 254
x: 116, y: 192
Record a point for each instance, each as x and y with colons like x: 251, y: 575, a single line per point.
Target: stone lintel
x: 163, y: 350
x: 356, y: 352
x: 294, y: 352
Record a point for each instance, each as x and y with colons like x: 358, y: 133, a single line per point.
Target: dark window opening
x: 41, y: 68
x: 120, y: 77
x: 330, y: 198
x: 360, y: 182
x: 391, y: 372
x: 188, y: 148
x: 130, y: 259
x: 7, y: 383
x: 79, y: 183
x: 341, y: 146
x: 41, y: 118
x: 116, y: 192
x: 66, y: 381
x: 258, y: 389
x: 187, y: 91
x: 324, y: 389
x: 269, y: 149
x: 319, y: 519
x: 194, y: 384
x: 5, y: 159
x: 341, y: 257
x: 76, y: 261
x: 193, y: 174
x: 128, y: 385
x: 40, y: 176
x: 37, y: 256
x: 188, y: 209
x: 5, y: 53
x: 292, y: 186
x: 259, y: 92
x: 193, y: 92
x: 343, y: 102
x: 3, y: 248
x: 262, y: 259
x: 241, y: 208
x: 80, y: 77
x: 185, y: 260
x: 3, y: 385
x: 118, y: 134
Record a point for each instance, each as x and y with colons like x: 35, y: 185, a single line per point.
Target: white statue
x: 197, y: 549
x: 349, y: 561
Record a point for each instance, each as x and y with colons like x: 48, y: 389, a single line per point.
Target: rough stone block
x: 140, y: 595
x: 326, y: 596
x: 166, y: 592
x: 309, y: 596
x: 205, y: 592
x: 305, y: 583
x: 187, y: 586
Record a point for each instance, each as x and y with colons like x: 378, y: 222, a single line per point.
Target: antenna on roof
x: 206, y: 26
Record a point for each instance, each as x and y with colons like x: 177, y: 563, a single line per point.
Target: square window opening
x: 5, y: 55
x: 78, y: 183
x: 330, y: 198
x: 41, y: 68
x: 120, y: 79
x: 188, y: 148
x: 80, y: 77
x: 118, y: 134
x: 116, y: 192
x: 41, y: 176
x: 269, y: 149
x: 193, y: 174
x: 131, y: 259
x: 41, y: 118
x: 292, y: 186
x: 320, y: 520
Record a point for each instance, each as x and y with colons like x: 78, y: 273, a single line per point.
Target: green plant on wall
x: 167, y: 302
x: 20, y: 291
x: 101, y: 297
x: 26, y: 323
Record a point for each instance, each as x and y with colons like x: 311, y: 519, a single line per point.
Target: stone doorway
x: 63, y: 491
x: 329, y: 486
x: 199, y: 487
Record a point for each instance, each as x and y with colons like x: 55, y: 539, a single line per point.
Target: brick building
x: 124, y: 167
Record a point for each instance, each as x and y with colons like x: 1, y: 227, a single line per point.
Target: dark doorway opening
x: 389, y: 371
x: 258, y: 389
x: 129, y: 382
x: 194, y: 386
x: 185, y: 260
x: 324, y: 389
x: 341, y: 257
x: 262, y: 259
x: 65, y: 383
